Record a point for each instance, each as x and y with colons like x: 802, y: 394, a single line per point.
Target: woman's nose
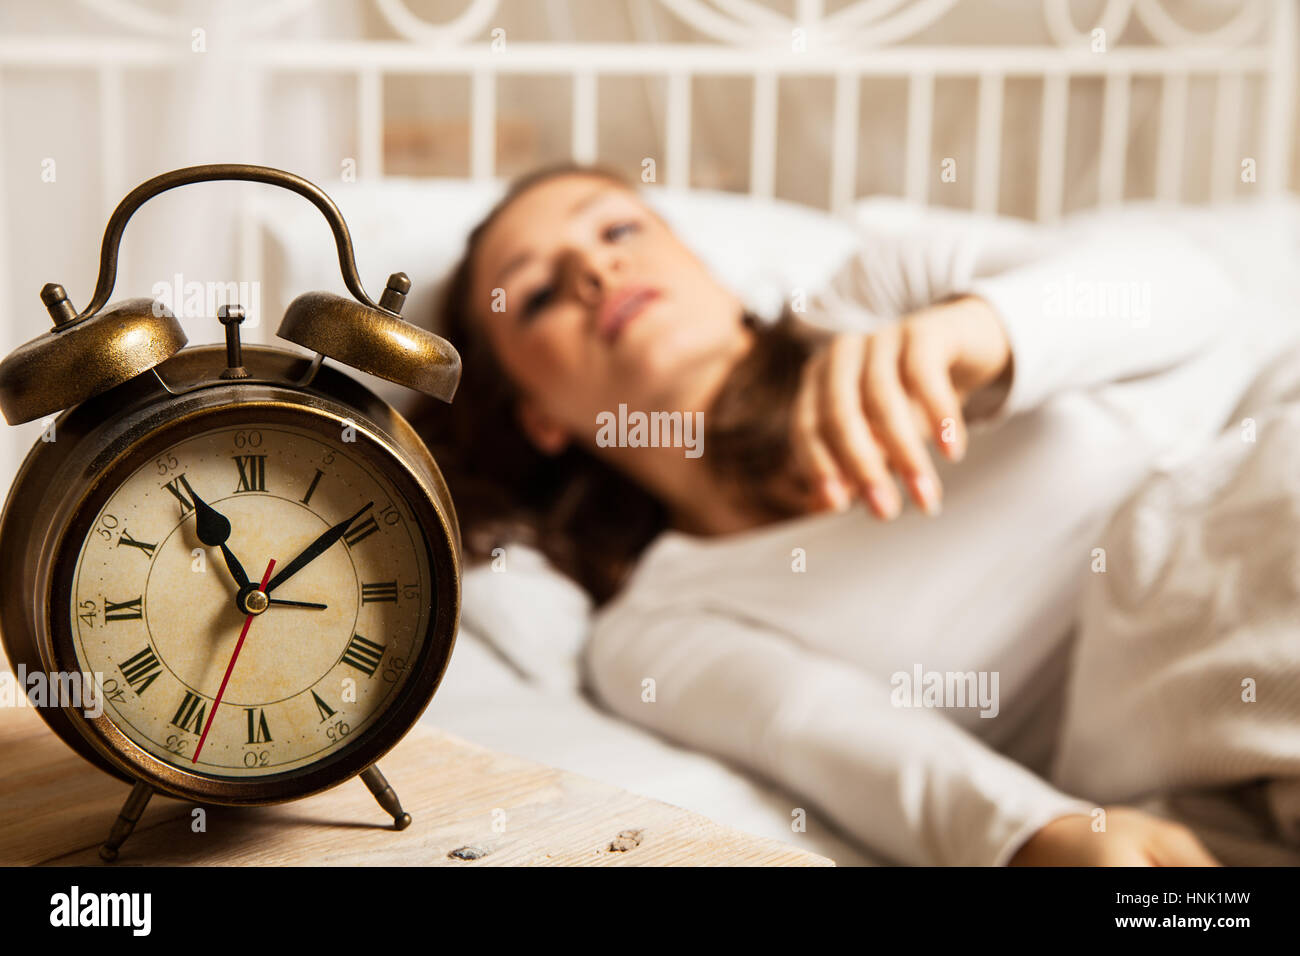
x: 590, y: 278
x: 588, y: 286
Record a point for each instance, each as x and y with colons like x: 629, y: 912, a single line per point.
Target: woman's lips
x: 621, y: 307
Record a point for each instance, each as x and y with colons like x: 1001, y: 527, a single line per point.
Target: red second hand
x: 230, y: 669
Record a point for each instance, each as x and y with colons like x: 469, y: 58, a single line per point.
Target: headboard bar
x: 749, y: 40
x: 988, y: 141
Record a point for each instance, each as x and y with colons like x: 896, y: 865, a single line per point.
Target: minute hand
x: 315, y: 549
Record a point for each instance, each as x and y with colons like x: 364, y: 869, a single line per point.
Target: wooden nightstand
x: 471, y: 807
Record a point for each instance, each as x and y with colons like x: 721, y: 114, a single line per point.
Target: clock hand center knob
x: 252, y: 600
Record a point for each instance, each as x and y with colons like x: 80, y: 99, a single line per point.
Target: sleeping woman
x: 859, y: 580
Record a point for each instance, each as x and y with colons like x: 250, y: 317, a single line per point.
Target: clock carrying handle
x: 214, y: 172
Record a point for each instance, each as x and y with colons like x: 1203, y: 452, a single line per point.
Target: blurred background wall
x: 56, y: 125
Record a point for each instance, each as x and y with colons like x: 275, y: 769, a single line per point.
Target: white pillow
x: 535, y: 617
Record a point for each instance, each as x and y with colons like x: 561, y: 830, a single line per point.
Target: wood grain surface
x: 470, y: 807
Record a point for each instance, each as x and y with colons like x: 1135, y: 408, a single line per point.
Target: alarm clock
x: 244, y: 555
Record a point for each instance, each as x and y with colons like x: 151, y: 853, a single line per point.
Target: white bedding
x: 513, y: 681
x: 1187, y: 648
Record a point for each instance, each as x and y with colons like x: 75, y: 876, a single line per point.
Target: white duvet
x: 1185, y: 683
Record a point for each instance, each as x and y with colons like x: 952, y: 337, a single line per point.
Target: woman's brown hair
x: 590, y: 520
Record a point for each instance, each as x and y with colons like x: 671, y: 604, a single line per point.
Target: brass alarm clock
x: 251, y: 558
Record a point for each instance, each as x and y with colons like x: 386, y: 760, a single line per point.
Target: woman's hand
x: 1131, y: 838
x: 868, y: 403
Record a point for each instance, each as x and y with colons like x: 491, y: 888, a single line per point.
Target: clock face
x: 158, y: 607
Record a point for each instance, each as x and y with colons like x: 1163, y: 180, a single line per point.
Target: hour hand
x: 236, y: 569
x: 214, y: 530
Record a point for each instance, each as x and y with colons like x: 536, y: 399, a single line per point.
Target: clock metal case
x: 62, y: 485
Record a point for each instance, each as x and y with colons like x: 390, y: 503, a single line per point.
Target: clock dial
x: 169, y: 573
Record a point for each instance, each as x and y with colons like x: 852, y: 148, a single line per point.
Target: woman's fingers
x: 889, y: 411
x: 864, y: 408
x: 1179, y: 846
x: 812, y: 456
x: 926, y: 377
x: 846, y: 431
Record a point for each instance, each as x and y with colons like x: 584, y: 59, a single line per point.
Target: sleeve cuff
x: 1015, y: 835
x: 1019, y: 307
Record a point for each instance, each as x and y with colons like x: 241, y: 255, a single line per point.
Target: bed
x: 514, y: 683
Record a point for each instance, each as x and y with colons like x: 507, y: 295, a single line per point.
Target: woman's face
x: 589, y: 300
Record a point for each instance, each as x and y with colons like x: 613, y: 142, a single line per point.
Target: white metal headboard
x: 745, y: 38
x: 847, y: 43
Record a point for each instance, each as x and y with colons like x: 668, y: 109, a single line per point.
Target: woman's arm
x: 989, y: 329
x: 907, y: 782
x: 1101, y: 305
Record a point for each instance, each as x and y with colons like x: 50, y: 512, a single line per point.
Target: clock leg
x: 132, y: 810
x: 386, y: 797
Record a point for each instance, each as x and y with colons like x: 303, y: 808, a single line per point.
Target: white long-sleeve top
x: 780, y: 648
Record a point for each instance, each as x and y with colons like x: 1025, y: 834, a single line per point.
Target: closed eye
x: 542, y: 297
x: 620, y: 229
x: 538, y: 300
